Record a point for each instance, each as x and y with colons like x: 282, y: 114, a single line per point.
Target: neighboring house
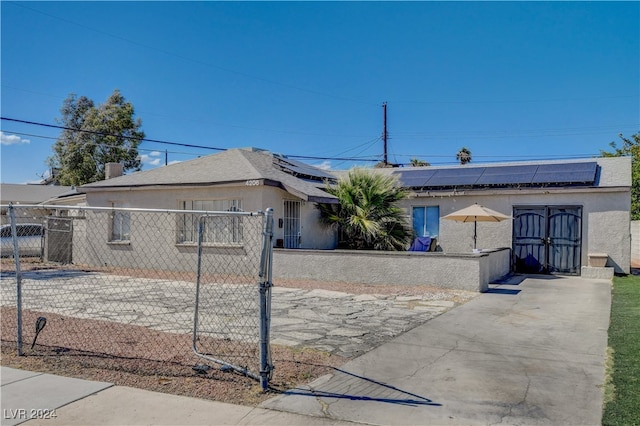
x: 562, y: 210
x: 237, y: 179
x: 16, y: 193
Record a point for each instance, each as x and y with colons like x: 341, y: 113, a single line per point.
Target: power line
x: 100, y: 143
x: 508, y: 101
x: 214, y: 123
x: 506, y: 156
x: 165, y: 142
x: 15, y: 120
x: 489, y: 134
x: 368, y: 144
x: 305, y: 157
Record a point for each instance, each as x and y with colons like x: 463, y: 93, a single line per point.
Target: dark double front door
x: 547, y: 239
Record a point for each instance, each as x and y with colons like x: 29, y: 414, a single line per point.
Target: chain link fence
x: 135, y: 284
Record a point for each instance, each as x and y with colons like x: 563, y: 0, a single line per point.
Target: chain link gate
x: 119, y: 284
x: 226, y: 329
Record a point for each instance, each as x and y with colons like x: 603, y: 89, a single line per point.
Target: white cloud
x: 151, y: 159
x: 174, y: 162
x: 6, y: 139
x: 325, y: 165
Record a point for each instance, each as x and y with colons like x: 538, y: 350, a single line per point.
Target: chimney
x: 112, y: 170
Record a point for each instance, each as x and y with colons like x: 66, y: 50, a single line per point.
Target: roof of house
x: 588, y: 172
x: 17, y: 193
x: 231, y: 166
x: 307, y: 182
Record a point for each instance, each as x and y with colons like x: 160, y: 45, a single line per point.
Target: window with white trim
x: 426, y: 220
x: 120, y: 224
x: 223, y: 230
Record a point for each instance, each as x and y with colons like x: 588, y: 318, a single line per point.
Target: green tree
x: 367, y: 215
x: 464, y: 155
x: 382, y: 165
x: 416, y: 162
x: 94, y: 136
x: 630, y: 147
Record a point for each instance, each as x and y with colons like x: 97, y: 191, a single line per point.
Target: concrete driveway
x: 530, y: 351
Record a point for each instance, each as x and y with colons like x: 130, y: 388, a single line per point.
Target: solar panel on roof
x: 526, y: 174
x: 297, y: 167
x: 414, y: 178
x: 507, y: 175
x: 566, y: 173
x: 456, y: 177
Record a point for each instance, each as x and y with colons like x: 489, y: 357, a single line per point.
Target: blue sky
x: 510, y: 81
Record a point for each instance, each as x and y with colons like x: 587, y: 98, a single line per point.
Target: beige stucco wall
x: 471, y: 272
x: 635, y: 242
x: 313, y: 234
x: 152, y: 246
x: 254, y: 198
x: 605, y: 219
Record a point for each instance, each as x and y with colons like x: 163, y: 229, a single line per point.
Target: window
x: 217, y: 229
x: 120, y: 225
x: 426, y: 220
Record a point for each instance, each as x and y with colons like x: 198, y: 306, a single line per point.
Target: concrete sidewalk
x: 51, y: 400
x: 531, y: 351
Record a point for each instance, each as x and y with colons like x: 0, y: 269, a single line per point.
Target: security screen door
x: 292, y: 234
x: 547, y: 239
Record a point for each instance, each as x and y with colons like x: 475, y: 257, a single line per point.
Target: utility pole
x: 384, y: 133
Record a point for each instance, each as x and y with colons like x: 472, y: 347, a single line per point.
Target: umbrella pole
x: 475, y: 232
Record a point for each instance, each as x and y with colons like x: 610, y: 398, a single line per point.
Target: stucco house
x: 245, y: 179
x: 19, y: 193
x: 562, y: 210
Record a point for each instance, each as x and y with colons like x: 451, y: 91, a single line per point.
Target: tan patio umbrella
x: 476, y: 213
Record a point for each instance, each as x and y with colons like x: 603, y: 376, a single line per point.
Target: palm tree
x: 464, y: 155
x: 416, y: 162
x: 367, y: 215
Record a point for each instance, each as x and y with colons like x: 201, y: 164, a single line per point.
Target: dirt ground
x: 173, y: 371
x: 177, y: 376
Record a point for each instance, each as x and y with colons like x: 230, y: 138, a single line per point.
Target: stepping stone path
x: 346, y: 324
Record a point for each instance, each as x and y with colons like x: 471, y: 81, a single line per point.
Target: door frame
x: 290, y: 223
x: 547, y: 268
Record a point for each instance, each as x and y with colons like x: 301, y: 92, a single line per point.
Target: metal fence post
x: 16, y: 258
x: 265, y: 299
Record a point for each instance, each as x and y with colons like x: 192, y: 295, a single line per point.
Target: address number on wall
x: 252, y: 183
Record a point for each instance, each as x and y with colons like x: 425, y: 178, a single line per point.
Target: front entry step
x: 596, y: 272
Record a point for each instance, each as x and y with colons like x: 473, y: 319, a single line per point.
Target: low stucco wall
x: 635, y: 242
x: 472, y: 271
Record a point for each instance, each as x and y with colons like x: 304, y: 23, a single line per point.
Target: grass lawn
x: 622, y: 393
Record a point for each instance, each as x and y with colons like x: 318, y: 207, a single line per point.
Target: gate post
x: 16, y: 258
x: 265, y: 299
